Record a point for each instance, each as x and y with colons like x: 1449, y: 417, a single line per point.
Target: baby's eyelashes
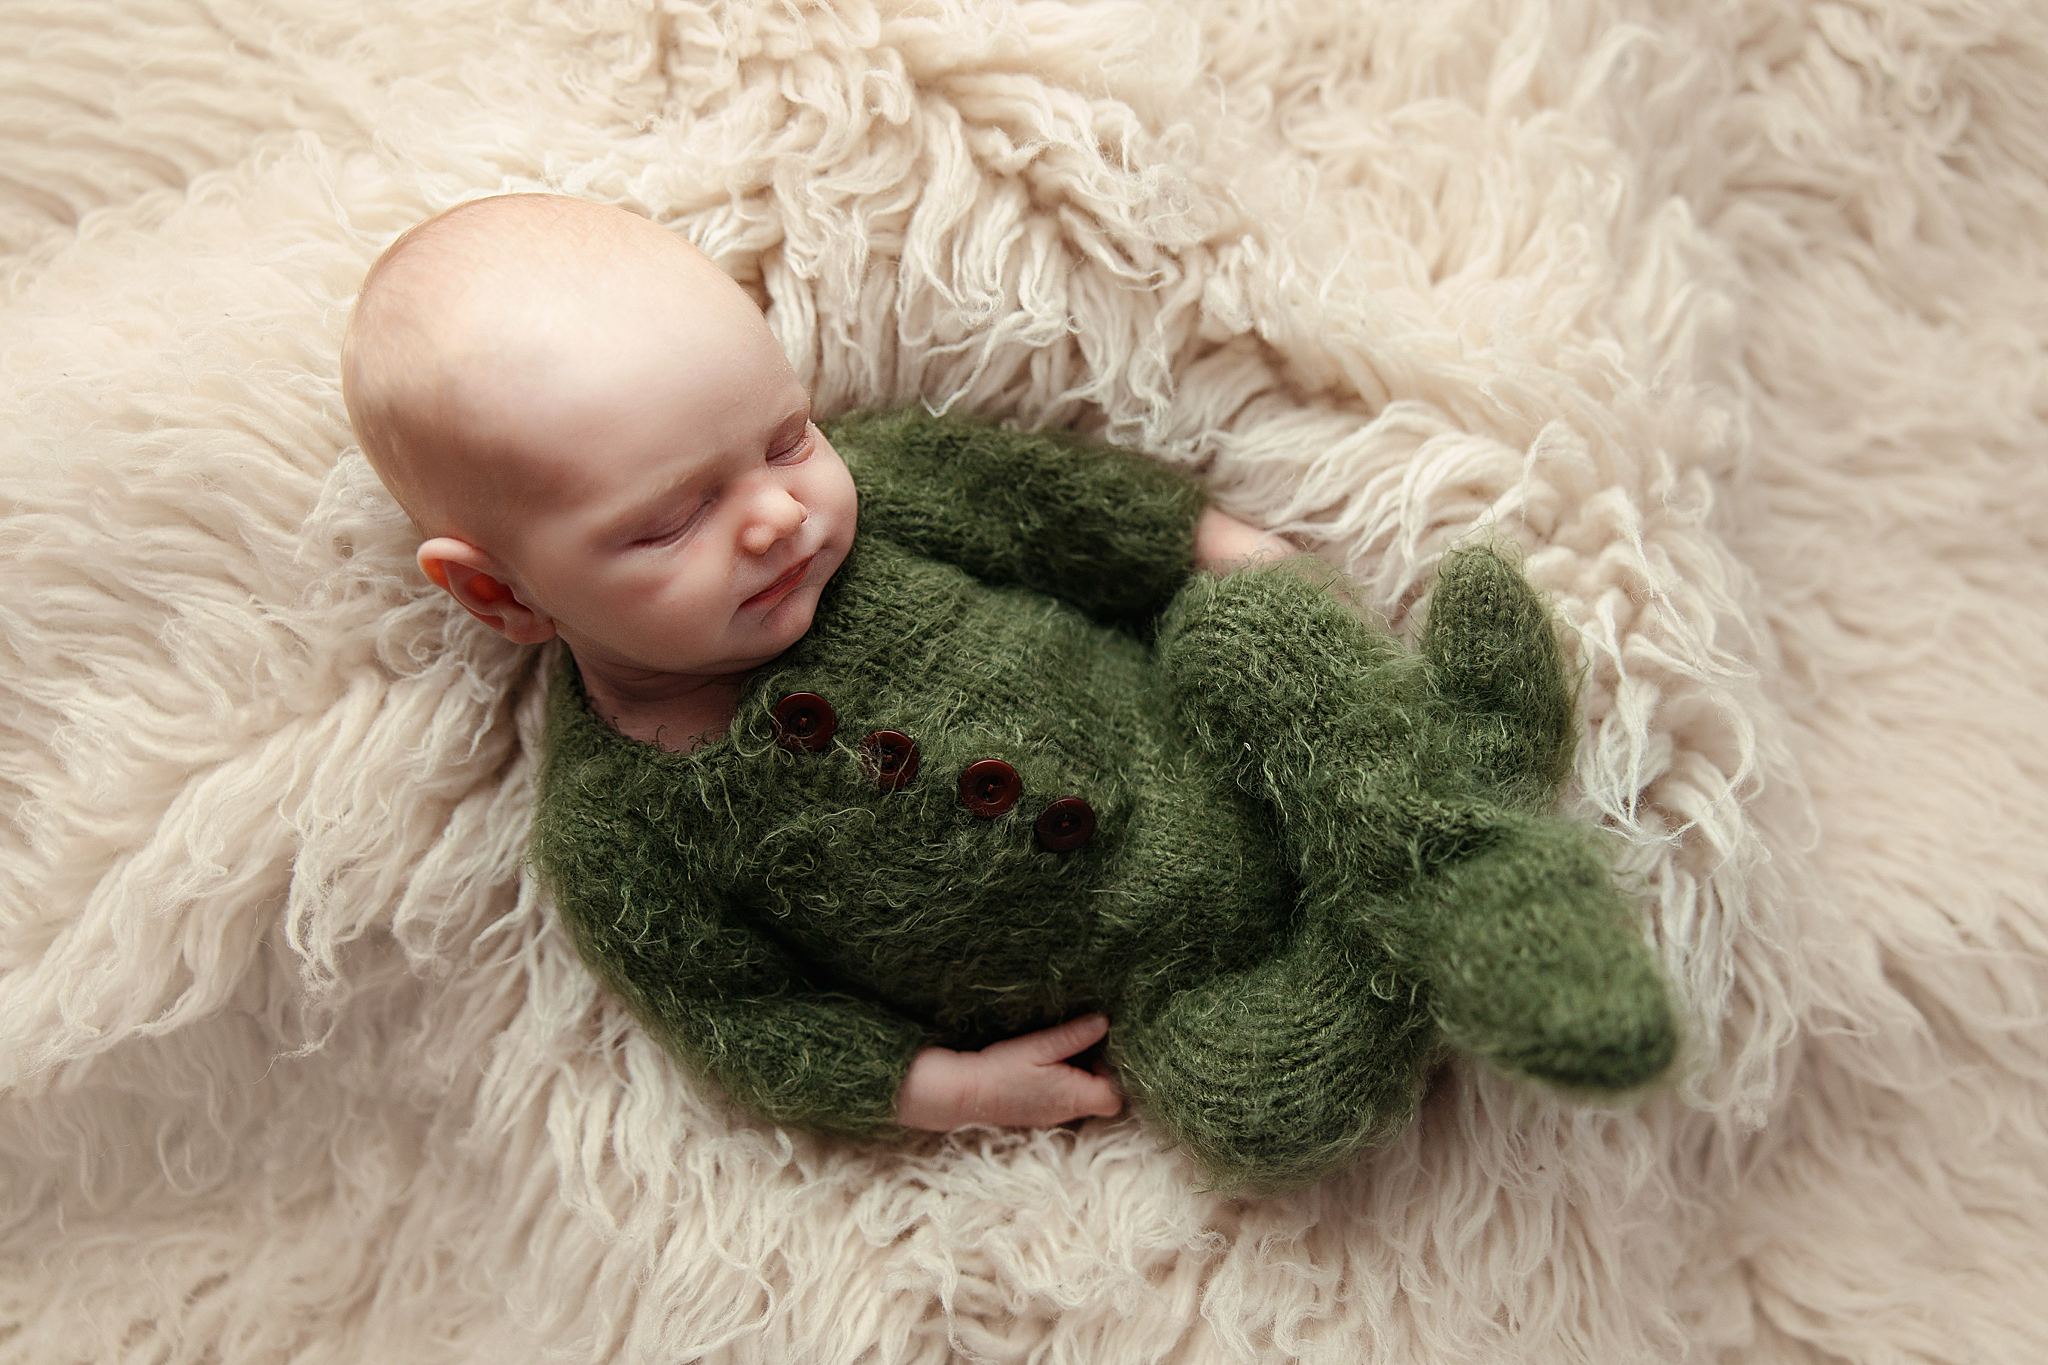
x: 794, y: 454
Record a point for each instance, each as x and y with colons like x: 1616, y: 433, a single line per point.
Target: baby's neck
x: 680, y: 721
x: 682, y: 729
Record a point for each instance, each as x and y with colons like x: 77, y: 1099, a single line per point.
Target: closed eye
x: 795, y: 454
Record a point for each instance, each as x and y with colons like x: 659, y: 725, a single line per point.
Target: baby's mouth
x: 782, y: 584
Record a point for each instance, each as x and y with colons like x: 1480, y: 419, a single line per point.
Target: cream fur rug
x: 1732, y: 315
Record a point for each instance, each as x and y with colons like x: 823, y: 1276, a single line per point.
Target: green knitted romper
x: 1026, y: 764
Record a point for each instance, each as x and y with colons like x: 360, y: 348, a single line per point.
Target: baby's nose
x: 775, y: 518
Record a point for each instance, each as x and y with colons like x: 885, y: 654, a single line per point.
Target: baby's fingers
x: 1098, y: 1090
x: 1058, y: 1042
x: 1077, y: 1095
x: 1109, y: 1098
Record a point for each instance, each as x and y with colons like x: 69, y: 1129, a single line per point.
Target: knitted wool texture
x: 1318, y: 856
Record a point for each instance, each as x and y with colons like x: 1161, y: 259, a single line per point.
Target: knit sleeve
x: 1108, y: 530
x: 719, y: 994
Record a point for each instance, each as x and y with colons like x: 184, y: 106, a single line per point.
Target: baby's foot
x: 1502, y: 702
x: 1535, y: 965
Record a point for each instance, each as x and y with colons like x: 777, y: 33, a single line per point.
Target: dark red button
x: 804, y: 721
x: 1066, y: 823
x: 988, y: 787
x: 890, y: 757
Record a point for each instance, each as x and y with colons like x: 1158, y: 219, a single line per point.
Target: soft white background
x: 1731, y: 315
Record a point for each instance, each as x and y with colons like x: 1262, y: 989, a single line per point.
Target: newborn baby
x: 890, y: 757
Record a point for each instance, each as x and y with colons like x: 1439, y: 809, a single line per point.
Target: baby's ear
x: 470, y: 576
x: 448, y: 561
x: 435, y: 555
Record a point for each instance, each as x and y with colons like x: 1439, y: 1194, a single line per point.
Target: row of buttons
x: 805, y: 723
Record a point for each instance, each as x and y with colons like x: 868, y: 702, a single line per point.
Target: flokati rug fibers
x: 1730, y: 316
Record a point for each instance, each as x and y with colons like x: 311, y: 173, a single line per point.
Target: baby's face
x: 692, y: 511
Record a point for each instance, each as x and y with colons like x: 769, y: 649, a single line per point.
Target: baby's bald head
x: 477, y: 326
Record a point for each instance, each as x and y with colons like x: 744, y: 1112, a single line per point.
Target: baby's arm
x: 1022, y: 1082
x: 1108, y: 530
x: 715, y: 989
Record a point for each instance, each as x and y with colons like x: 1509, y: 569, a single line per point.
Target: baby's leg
x: 1287, y: 658
x: 1507, y: 917
x: 1273, y: 1075
x: 1281, y: 674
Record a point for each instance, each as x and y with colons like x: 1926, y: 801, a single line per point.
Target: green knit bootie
x: 1533, y: 963
x: 1503, y: 705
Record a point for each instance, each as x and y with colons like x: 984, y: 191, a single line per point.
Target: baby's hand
x: 1223, y: 543
x: 1022, y: 1082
